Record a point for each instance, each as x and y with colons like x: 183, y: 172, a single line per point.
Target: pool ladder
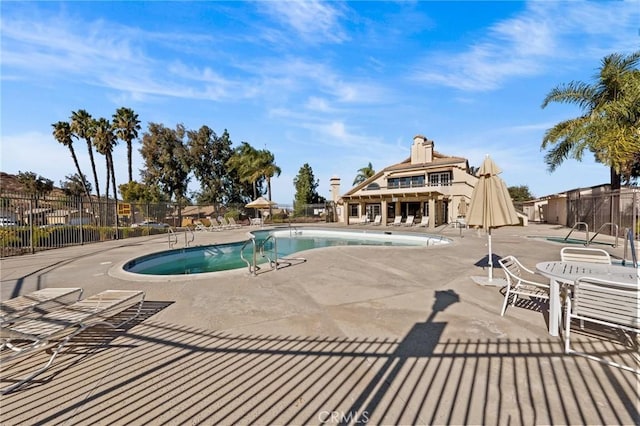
x: 173, y: 237
x: 259, y: 247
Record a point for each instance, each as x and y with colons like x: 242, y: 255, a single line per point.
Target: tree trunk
x: 615, y: 179
x: 93, y: 167
x: 269, y: 192
x: 115, y: 191
x: 129, y: 149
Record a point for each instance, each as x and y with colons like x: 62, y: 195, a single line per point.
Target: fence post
x: 31, y: 233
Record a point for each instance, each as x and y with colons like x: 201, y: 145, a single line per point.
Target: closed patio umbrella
x: 462, y: 207
x: 490, y: 207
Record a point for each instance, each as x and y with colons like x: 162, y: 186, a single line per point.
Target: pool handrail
x: 173, y: 238
x: 187, y: 243
x: 629, y: 241
x: 613, y: 227
x: 252, y: 266
x: 272, y: 262
x: 586, y: 227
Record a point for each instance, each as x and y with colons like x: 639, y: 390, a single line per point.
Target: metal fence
x: 34, y: 223
x: 608, y: 212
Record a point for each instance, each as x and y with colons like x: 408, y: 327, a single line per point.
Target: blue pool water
x: 223, y: 257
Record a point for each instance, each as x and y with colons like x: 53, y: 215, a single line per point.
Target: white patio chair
x: 607, y: 303
x: 582, y: 254
x: 521, y: 281
x: 409, y: 221
x: 377, y: 220
x: 461, y: 222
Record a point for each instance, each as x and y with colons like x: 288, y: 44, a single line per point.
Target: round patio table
x: 568, y: 272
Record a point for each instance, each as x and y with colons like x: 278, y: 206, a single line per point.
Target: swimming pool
x: 224, y: 257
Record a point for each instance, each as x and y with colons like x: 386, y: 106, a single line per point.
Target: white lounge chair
x: 39, y: 302
x: 424, y: 221
x: 377, y: 220
x: 223, y: 224
x: 582, y: 254
x: 200, y: 226
x: 364, y: 219
x: 409, y: 221
x: 521, y: 281
x: 608, y: 303
x: 397, y: 221
x: 233, y: 223
x: 54, y: 330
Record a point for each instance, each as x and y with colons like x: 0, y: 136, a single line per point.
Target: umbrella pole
x: 490, y: 258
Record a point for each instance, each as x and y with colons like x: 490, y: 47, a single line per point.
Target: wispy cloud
x: 527, y: 44
x: 109, y: 55
x: 313, y: 20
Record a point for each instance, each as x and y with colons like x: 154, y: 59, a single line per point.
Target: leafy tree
x: 134, y: 192
x: 306, y: 189
x: 82, y: 127
x: 520, y: 193
x: 62, y: 133
x: 167, y: 160
x: 126, y: 126
x: 364, y: 174
x: 608, y: 126
x: 34, y: 184
x: 209, y: 156
x: 75, y: 185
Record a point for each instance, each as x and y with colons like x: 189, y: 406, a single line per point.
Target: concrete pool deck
x: 378, y: 335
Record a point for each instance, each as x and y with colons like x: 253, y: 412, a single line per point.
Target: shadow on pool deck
x: 351, y: 336
x: 160, y: 373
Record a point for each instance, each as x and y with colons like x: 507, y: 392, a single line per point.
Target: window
x: 372, y: 187
x: 405, y: 182
x: 353, y: 210
x: 440, y: 179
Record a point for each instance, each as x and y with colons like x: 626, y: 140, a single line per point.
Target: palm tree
x: 105, y: 141
x: 364, y: 174
x: 244, y: 162
x: 62, y: 133
x: 126, y: 126
x: 267, y: 167
x: 602, y: 127
x: 82, y: 127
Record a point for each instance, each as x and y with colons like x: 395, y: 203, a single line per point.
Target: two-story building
x: 427, y: 183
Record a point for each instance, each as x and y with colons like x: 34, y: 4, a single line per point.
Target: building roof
x: 439, y: 160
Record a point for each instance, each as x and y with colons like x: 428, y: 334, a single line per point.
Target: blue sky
x: 333, y: 84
